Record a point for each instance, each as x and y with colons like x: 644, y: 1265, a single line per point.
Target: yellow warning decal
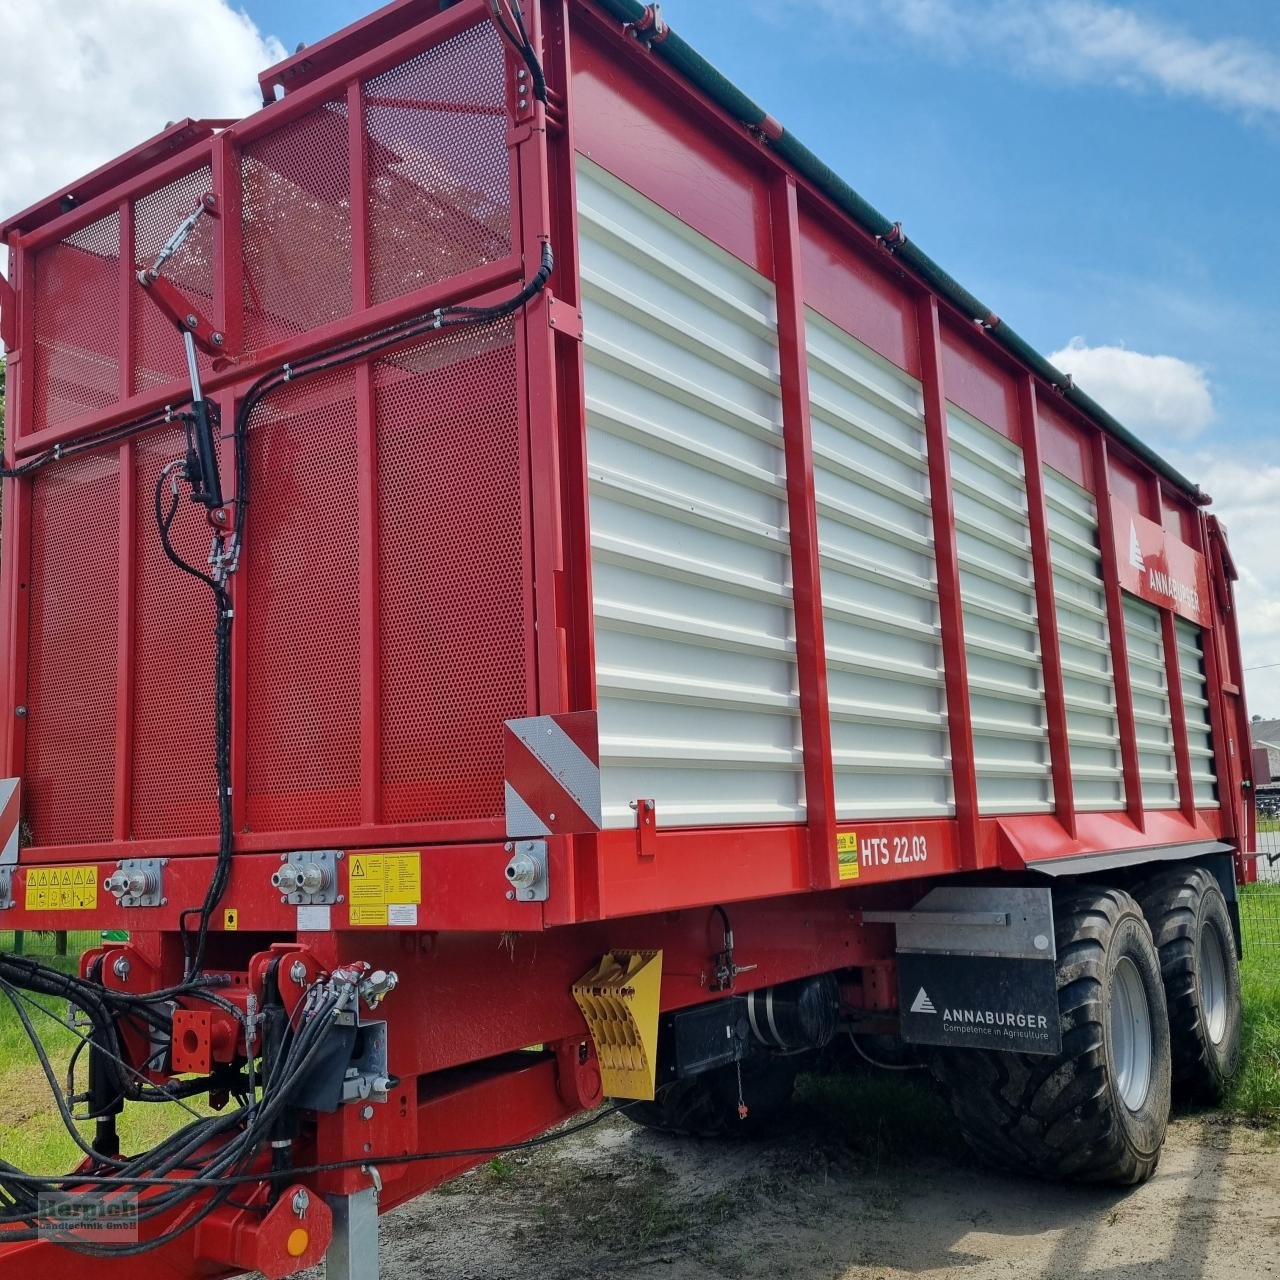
x: 231, y: 920
x: 847, y: 854
x: 62, y: 888
x: 384, y: 888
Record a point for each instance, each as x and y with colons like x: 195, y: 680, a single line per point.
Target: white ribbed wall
x: 1002, y: 641
x: 695, y: 634
x: 1093, y: 732
x: 1156, y: 761
x: 879, y: 583
x: 1204, y: 780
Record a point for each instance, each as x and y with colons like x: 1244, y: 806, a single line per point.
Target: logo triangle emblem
x: 1135, y: 548
x: 922, y: 1003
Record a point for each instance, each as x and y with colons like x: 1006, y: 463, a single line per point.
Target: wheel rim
x: 1213, y: 982
x: 1131, y: 1043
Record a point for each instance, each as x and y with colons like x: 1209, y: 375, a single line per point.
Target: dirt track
x: 817, y: 1205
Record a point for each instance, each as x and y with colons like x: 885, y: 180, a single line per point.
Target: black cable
x: 335, y: 1166
x: 519, y: 39
x: 251, y: 1125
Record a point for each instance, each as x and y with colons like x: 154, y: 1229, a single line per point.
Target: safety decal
x: 847, y: 854
x: 384, y: 888
x: 62, y: 888
x: 553, y: 775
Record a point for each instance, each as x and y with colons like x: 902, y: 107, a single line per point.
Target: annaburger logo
x: 1182, y: 594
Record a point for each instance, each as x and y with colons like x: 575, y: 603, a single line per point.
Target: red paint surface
x: 1158, y: 566
x: 626, y: 124
x: 978, y: 383
x: 844, y: 284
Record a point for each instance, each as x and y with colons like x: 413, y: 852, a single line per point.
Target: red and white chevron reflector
x: 10, y: 819
x: 552, y: 775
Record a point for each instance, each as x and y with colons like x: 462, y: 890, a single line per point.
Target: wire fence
x: 1260, y: 902
x: 47, y: 943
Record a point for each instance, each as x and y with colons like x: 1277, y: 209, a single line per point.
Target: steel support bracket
x: 138, y: 882
x: 528, y: 871
x: 563, y: 318
x: 353, y: 1254
x: 8, y: 314
x: 646, y: 827
x: 308, y: 877
x: 188, y: 317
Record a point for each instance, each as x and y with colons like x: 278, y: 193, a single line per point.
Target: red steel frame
x: 611, y: 889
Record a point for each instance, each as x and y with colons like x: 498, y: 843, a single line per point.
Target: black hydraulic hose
x: 705, y: 77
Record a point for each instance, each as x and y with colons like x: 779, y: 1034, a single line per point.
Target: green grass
x: 32, y: 1135
x: 1256, y: 1094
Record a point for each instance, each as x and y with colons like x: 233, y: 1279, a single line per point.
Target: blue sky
x: 1114, y: 178
x: 1111, y: 210
x: 1105, y: 174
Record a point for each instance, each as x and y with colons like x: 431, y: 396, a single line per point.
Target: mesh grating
x: 302, y: 550
x: 71, y: 675
x: 157, y: 347
x: 454, y: 623
x: 297, y: 227
x: 439, y: 177
x: 173, y: 785
x: 77, y: 338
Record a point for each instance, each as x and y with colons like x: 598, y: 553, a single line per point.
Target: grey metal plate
x: 977, y: 921
x: 1108, y: 861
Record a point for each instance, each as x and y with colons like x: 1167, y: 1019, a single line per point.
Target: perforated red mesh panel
x: 439, y: 183
x: 71, y: 678
x: 77, y: 333
x: 451, y: 547
x: 158, y: 357
x: 297, y: 226
x: 303, y: 609
x: 173, y: 780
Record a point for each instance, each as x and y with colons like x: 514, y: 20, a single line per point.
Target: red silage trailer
x: 503, y: 548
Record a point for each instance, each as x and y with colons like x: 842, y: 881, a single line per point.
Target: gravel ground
x: 819, y: 1203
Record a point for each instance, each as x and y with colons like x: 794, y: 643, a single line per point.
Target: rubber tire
x: 706, y: 1105
x: 1180, y: 903
x: 1061, y: 1118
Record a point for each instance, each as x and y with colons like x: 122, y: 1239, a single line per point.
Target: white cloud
x: 84, y: 82
x: 1170, y: 401
x: 1247, y: 499
x: 1161, y: 396
x: 1077, y: 42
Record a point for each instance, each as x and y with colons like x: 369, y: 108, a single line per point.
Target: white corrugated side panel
x: 695, y: 637
x: 879, y: 584
x: 1156, y: 762
x: 1097, y: 771
x: 1002, y: 640
x: 1195, y: 698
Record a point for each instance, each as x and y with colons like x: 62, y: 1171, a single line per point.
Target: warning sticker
x: 62, y: 888
x: 847, y: 854
x: 231, y: 920
x: 377, y: 882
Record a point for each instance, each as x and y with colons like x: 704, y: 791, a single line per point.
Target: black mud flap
x: 977, y: 969
x: 979, y: 1002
